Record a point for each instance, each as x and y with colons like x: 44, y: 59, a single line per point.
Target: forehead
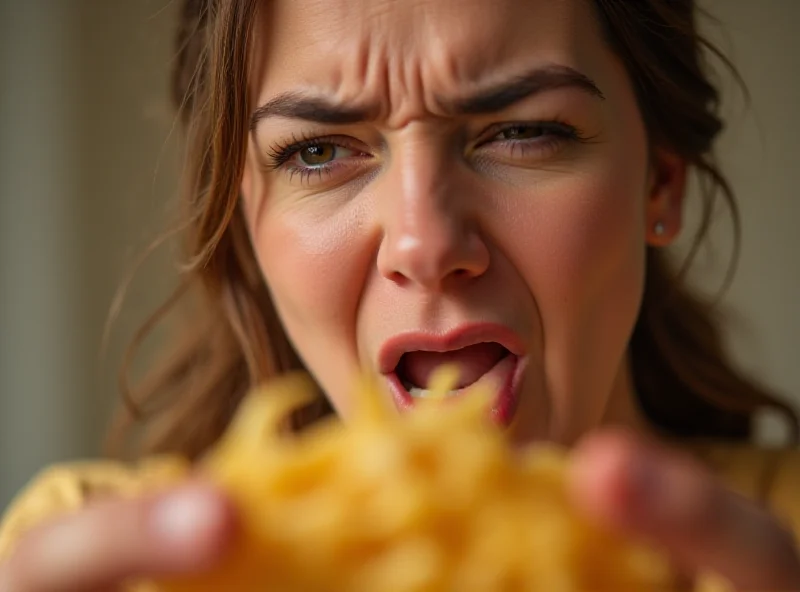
x: 356, y: 49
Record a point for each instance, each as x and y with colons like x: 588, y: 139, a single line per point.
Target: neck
x: 623, y: 407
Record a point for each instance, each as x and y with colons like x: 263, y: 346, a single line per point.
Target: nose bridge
x: 424, y: 203
x: 429, y: 230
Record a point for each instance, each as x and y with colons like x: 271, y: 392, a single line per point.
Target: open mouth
x: 474, y: 362
x: 487, y: 364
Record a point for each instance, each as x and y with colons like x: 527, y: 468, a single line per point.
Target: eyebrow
x: 299, y: 105
x: 504, y: 95
x: 320, y: 109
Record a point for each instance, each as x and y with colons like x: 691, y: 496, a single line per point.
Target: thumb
x: 671, y: 500
x: 180, y: 531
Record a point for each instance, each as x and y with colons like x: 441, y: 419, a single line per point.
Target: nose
x: 431, y: 233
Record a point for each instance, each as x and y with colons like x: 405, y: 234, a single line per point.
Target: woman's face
x: 457, y: 181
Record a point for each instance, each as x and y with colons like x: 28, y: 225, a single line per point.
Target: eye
x: 518, y: 132
x: 527, y: 142
x: 316, y: 155
x: 521, y: 132
x: 312, y: 160
x: 311, y: 154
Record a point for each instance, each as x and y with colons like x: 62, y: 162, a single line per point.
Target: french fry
x: 431, y: 501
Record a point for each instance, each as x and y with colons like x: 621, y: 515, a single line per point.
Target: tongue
x: 472, y: 363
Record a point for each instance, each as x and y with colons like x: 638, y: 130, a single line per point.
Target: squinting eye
x: 525, y: 141
x: 521, y: 132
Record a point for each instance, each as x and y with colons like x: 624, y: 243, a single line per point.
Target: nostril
x: 398, y: 278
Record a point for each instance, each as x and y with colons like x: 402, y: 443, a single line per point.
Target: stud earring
x: 659, y: 228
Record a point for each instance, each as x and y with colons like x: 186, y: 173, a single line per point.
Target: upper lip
x: 457, y: 338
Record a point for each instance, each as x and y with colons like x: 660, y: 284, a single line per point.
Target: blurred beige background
x: 88, y: 170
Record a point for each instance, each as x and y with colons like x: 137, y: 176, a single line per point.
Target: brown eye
x: 317, y: 154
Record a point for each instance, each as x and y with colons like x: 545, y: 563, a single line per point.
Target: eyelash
x: 554, y: 133
x: 280, y: 155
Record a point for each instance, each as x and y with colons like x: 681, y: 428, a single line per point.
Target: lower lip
x: 509, y: 371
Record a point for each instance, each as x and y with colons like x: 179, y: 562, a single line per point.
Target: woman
x: 392, y: 185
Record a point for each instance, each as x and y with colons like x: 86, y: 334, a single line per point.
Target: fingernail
x: 183, y: 516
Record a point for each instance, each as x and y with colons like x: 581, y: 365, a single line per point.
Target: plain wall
x: 88, y: 170
x: 88, y: 167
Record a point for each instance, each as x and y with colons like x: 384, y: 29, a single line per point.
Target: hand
x: 669, y: 499
x: 111, y: 541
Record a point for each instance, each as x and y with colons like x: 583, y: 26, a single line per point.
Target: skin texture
x: 426, y: 219
x: 425, y: 223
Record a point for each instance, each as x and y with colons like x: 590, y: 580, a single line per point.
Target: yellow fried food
x: 431, y: 501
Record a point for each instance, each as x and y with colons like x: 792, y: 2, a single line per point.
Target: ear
x: 665, y: 193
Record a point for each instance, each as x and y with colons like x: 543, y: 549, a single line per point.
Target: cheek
x: 314, y: 267
x: 577, y: 230
x: 585, y: 232
x: 581, y: 251
x: 580, y: 247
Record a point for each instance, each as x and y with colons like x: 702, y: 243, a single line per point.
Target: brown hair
x: 687, y: 385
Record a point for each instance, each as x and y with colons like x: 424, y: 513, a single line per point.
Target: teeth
x: 421, y: 393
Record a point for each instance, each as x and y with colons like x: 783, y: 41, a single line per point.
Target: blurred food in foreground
x: 433, y: 500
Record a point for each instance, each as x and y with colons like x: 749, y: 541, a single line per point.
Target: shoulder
x: 62, y: 489
x: 768, y: 476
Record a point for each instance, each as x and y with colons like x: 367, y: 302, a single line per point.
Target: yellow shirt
x: 769, y: 477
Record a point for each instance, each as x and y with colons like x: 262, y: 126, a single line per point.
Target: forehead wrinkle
x: 395, y: 85
x: 400, y: 65
x: 376, y: 76
x: 395, y: 74
x: 403, y: 64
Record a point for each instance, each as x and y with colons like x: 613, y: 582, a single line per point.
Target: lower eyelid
x: 315, y: 174
x: 520, y: 152
x: 542, y: 143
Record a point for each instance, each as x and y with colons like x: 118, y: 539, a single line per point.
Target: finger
x: 670, y: 499
x: 182, y: 531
